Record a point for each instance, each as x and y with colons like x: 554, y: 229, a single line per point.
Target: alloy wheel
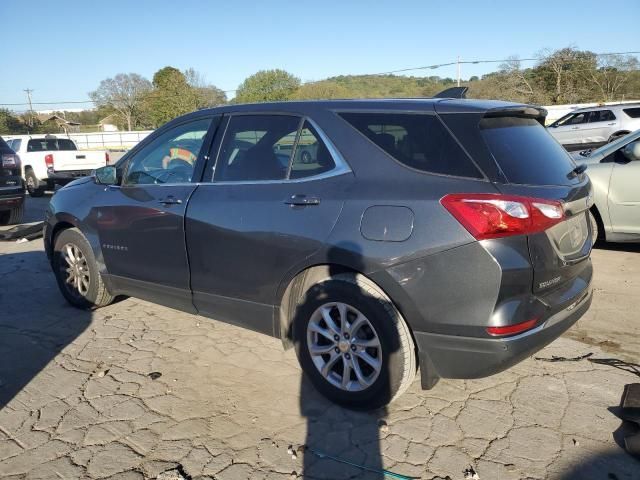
x: 75, y: 270
x: 344, y: 346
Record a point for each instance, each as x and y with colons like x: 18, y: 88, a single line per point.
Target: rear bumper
x: 449, y: 356
x: 11, y: 198
x: 66, y: 176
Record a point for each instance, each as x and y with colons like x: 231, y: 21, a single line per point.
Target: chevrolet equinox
x: 374, y: 236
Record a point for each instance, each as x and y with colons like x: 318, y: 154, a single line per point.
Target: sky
x: 63, y: 49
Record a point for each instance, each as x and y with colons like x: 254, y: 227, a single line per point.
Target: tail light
x: 106, y: 158
x: 495, y: 216
x: 48, y: 159
x: 512, y: 329
x: 10, y: 160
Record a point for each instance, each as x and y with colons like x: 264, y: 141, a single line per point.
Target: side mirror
x: 106, y: 175
x: 632, y: 151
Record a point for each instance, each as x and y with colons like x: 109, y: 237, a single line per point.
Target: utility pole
x: 29, y: 92
x: 458, y: 62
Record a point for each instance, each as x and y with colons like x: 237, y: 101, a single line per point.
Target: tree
x: 267, y: 85
x: 320, y: 90
x: 207, y: 95
x: 613, y: 73
x: 10, y: 124
x: 124, y: 93
x: 561, y: 74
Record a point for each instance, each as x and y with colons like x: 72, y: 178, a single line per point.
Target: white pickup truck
x: 48, y: 160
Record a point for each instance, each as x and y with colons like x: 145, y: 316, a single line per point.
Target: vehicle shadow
x: 618, y: 247
x: 341, y: 443
x: 36, y: 323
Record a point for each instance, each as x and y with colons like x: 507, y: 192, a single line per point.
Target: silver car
x: 595, y: 126
x: 614, y: 170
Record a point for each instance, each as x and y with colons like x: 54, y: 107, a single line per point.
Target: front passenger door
x: 140, y: 223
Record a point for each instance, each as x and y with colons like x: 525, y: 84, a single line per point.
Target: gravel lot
x: 137, y: 391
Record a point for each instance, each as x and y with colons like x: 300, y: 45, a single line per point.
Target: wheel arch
x: 293, y: 290
x: 60, y: 226
x: 619, y: 133
x: 599, y: 221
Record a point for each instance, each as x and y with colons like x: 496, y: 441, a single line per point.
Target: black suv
x: 373, y: 235
x: 11, y: 186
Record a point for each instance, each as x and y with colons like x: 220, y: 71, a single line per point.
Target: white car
x: 48, y: 160
x: 614, y: 170
x: 595, y: 126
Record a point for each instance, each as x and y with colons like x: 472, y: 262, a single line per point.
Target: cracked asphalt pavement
x: 135, y: 391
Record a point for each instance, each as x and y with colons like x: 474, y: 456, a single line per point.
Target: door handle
x: 575, y: 128
x: 170, y: 200
x: 302, y: 201
x: 611, y: 124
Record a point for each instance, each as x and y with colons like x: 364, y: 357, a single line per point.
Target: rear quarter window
x: 419, y: 141
x: 632, y: 112
x: 526, y: 152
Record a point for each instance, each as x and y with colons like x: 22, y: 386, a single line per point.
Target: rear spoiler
x: 453, y: 92
x: 523, y: 111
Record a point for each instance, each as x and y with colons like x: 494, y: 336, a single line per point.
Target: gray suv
x: 447, y: 234
x: 592, y: 127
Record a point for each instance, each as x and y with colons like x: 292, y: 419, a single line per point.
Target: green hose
x: 386, y: 473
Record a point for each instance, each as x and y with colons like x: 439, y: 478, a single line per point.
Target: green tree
x: 267, y: 85
x: 320, y: 90
x: 10, y: 124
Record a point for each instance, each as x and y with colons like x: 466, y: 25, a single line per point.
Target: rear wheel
x: 353, y: 344
x: 16, y: 214
x: 76, y: 271
x: 34, y: 187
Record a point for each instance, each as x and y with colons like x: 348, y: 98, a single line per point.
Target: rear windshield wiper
x: 580, y: 169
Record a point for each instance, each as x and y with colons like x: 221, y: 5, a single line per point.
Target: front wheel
x: 76, y: 271
x: 353, y: 344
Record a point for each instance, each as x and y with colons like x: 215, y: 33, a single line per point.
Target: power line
x: 458, y: 62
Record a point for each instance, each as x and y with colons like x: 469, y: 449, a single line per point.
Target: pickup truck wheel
x: 33, y: 184
x: 352, y: 343
x: 76, y: 271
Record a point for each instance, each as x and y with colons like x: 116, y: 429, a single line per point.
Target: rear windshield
x: 632, y: 112
x: 417, y: 141
x: 48, y: 144
x: 526, y: 152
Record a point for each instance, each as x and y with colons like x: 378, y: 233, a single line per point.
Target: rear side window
x: 526, y: 152
x: 15, y: 144
x: 50, y: 144
x: 311, y: 155
x: 256, y: 147
x: 601, y: 116
x: 632, y: 112
x: 417, y: 141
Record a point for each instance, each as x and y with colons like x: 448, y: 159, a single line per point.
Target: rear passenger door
x: 602, y: 123
x: 266, y: 204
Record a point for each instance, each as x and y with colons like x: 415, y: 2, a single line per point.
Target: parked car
x: 592, y: 127
x: 451, y: 234
x: 48, y: 160
x: 614, y: 170
x: 11, y: 186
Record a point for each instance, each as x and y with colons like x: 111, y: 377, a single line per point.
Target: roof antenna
x: 453, y: 92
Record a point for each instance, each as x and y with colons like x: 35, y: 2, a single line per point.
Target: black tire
x: 16, y: 214
x: 597, y: 230
x: 398, y: 355
x: 96, y: 294
x: 34, y: 187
